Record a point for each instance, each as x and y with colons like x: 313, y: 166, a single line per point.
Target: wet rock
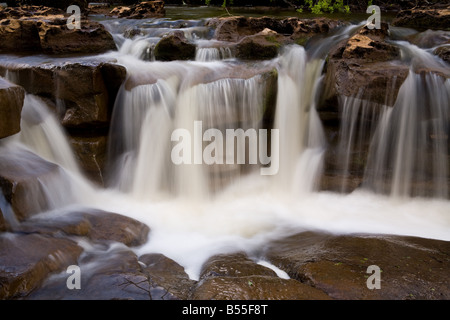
x: 19, y: 36
x: 112, y: 273
x: 233, y: 29
x: 27, y: 260
x: 96, y: 225
x: 365, y: 66
x: 56, y: 38
x: 90, y: 152
x: 430, y: 38
x: 263, y: 45
x: 443, y: 53
x: 168, y: 274
x: 174, y: 47
x: 142, y: 10
x: 23, y: 179
x: 422, y: 18
x: 3, y: 224
x: 42, y: 29
x: 11, y: 103
x: 84, y: 92
x: 236, y: 277
x: 411, y: 268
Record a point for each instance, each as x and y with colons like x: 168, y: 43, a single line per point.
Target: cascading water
x: 196, y: 210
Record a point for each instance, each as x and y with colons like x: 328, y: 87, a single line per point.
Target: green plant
x: 321, y: 6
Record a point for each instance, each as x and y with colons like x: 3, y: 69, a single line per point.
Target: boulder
x: 174, y: 47
x: 236, y: 277
x: 19, y: 36
x: 42, y: 29
x: 11, y: 103
x: 443, y: 53
x: 422, y: 18
x: 410, y: 267
x: 25, y: 179
x: 263, y: 45
x: 84, y: 92
x: 92, y: 38
x: 96, y: 225
x: 141, y: 10
x: 113, y: 273
x: 168, y: 274
x: 27, y: 260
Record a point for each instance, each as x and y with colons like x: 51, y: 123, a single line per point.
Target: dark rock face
x: 43, y: 29
x: 11, y: 103
x: 142, y: 10
x: 412, y: 268
x: 27, y: 260
x: 422, y: 18
x: 174, y: 47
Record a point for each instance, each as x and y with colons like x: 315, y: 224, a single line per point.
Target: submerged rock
x: 27, y: 260
x: 11, y: 103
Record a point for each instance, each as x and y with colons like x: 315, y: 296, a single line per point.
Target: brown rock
x: 23, y: 179
x: 3, y: 224
x: 255, y: 288
x: 91, y: 155
x: 98, y: 226
x: 26, y: 260
x: 142, y: 10
x: 424, y: 18
x: 443, y: 53
x: 174, y: 47
x: 411, y: 267
x: 19, y: 36
x: 113, y: 274
x: 168, y: 274
x: 56, y: 38
x: 11, y: 103
x: 263, y: 45
x: 236, y: 277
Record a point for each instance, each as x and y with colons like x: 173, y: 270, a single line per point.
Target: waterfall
x: 409, y: 152
x: 302, y: 141
x: 146, y: 115
x: 212, y: 54
x: 42, y: 133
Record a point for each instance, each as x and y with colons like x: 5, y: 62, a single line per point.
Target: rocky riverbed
x: 35, y: 250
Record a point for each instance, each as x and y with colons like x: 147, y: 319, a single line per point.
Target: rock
x: 106, y: 274
x: 263, y: 45
x: 19, y: 36
x: 423, y: 18
x: 233, y: 29
x: 363, y: 66
x: 174, y: 47
x: 90, y: 152
x: 168, y: 274
x: 56, y: 38
x: 3, y: 224
x: 430, y: 38
x: 27, y: 260
x: 85, y: 92
x: 255, y: 288
x: 43, y: 29
x: 96, y: 225
x: 443, y: 53
x: 11, y: 103
x: 412, y: 268
x: 24, y: 179
x: 142, y: 10
x: 235, y: 277
x: 61, y: 4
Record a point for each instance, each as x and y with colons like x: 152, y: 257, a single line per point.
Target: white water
x: 188, y: 221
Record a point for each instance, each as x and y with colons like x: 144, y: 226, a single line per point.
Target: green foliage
x: 330, y: 6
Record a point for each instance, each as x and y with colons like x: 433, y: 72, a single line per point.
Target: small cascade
x: 213, y: 54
